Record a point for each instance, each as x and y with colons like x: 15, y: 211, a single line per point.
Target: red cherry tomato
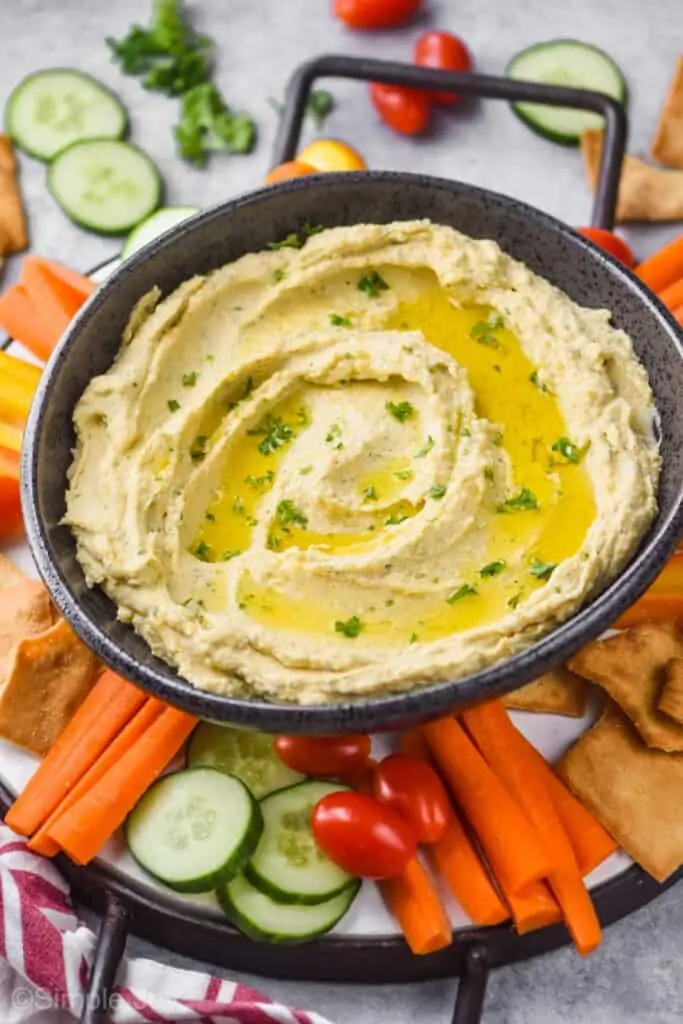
x: 404, y: 110
x: 447, y: 52
x: 611, y: 243
x: 10, y: 503
x: 371, y: 14
x: 414, y: 790
x: 362, y: 836
x: 324, y: 756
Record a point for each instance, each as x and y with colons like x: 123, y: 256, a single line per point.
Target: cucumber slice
x: 248, y: 755
x: 160, y: 221
x: 265, y: 920
x: 52, y: 109
x: 565, y: 62
x: 105, y: 185
x: 287, y: 865
x: 194, y: 830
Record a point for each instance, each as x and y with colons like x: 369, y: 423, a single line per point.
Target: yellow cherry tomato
x: 332, y: 155
x: 290, y: 169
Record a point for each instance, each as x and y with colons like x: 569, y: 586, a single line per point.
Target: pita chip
x: 631, y: 666
x: 560, y: 692
x: 12, y: 213
x: 635, y: 792
x: 25, y: 610
x: 667, y: 145
x: 645, y: 193
x: 671, y: 697
x: 47, y: 679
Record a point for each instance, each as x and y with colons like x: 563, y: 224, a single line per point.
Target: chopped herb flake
x: 488, y: 473
x: 202, y: 551
x: 275, y: 432
x: 190, y: 379
x: 273, y: 542
x: 525, y: 501
x: 395, y: 519
x: 437, y: 491
x: 404, y: 474
x: 173, y: 405
x: 413, y: 638
x: 401, y: 411
x: 537, y: 382
x: 305, y: 470
x: 288, y: 514
x: 372, y: 284
x: 333, y: 434
x: 290, y: 241
x: 230, y: 553
x: 566, y: 448
x: 320, y: 104
x: 279, y: 274
x: 211, y: 517
x: 542, y: 570
x: 370, y: 493
x: 260, y: 483
x: 464, y: 591
x: 514, y: 601
x: 351, y: 628
x: 238, y: 506
x: 340, y: 321
x: 308, y: 229
x: 493, y: 568
x: 426, y: 448
x: 198, y: 448
x: 483, y: 331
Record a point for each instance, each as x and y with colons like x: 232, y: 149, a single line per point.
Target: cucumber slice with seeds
x: 194, y: 830
x: 52, y: 109
x: 157, y: 224
x: 265, y: 920
x: 248, y: 755
x: 104, y: 185
x: 288, y: 865
x: 571, y: 63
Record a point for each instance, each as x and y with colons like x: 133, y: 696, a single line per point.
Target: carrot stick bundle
x: 413, y: 900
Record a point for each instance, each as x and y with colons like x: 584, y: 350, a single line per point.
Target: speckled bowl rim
x: 420, y: 703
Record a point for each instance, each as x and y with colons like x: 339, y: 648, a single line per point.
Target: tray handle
x: 109, y: 950
x: 469, y: 1004
x: 469, y: 84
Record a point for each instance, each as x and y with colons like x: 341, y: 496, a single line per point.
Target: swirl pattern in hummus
x: 391, y: 457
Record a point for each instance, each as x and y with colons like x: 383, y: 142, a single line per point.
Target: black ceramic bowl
x: 248, y: 224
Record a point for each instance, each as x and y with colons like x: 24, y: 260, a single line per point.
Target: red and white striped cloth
x: 45, y: 954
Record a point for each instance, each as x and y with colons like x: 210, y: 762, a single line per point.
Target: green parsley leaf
x: 352, y: 628
x: 230, y: 553
x: 493, y: 568
x: 202, y: 551
x: 571, y: 452
x: 537, y: 382
x: 464, y: 591
x: 238, y: 506
x: 275, y: 432
x: 273, y: 542
x: 308, y: 229
x: 173, y: 405
x: 404, y: 474
x: 525, y: 501
x: 372, y: 284
x: 483, y: 331
x: 260, y: 483
x: 290, y: 241
x: 305, y: 470
x: 320, y: 105
x: 542, y: 570
x: 198, y: 448
x: 426, y: 448
x: 370, y: 493
x: 514, y: 601
x: 288, y: 514
x: 488, y: 473
x: 208, y: 125
x: 190, y: 379
x: 340, y: 321
x: 210, y: 516
x: 436, y: 491
x: 395, y: 519
x: 279, y: 274
x: 413, y: 638
x: 401, y: 411
x: 334, y: 434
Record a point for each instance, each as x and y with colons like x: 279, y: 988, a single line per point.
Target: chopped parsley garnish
x: 542, y: 570
x: 308, y: 229
x: 437, y: 491
x: 464, y: 591
x: 372, y: 284
x: 395, y: 519
x: 190, y: 379
x: 260, y: 483
x: 273, y: 542
x: 525, y: 501
x: 305, y: 470
x: 514, y: 601
x: 279, y: 274
x: 290, y: 241
x: 488, y: 473
x: 207, y: 124
x: 493, y: 568
x: 426, y: 448
x: 202, y: 551
x: 566, y: 448
x: 302, y: 416
x: 537, y: 382
x: 404, y: 474
x: 466, y: 432
x: 173, y: 405
x: 352, y: 628
x: 198, y: 448
x: 334, y: 434
x: 230, y: 553
x: 248, y: 388
x: 210, y: 516
x: 370, y: 493
x: 275, y: 433
x: 413, y: 638
x: 483, y: 331
x: 320, y: 104
x: 238, y: 506
x: 340, y: 321
x: 288, y: 514
x: 401, y: 411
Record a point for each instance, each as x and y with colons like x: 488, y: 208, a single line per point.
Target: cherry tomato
x: 447, y: 52
x: 324, y: 756
x: 10, y: 502
x: 290, y: 169
x: 611, y: 243
x: 362, y: 836
x: 404, y: 110
x: 332, y: 155
x: 371, y: 14
x: 414, y: 790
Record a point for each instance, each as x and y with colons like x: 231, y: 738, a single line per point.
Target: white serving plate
x: 550, y: 734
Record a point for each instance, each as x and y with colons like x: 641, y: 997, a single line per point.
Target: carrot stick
x: 109, y: 706
x: 509, y: 842
x: 678, y: 314
x: 456, y: 859
x: 10, y: 437
x: 591, y: 842
x: 141, y: 721
x: 413, y: 900
x: 23, y: 321
x: 85, y: 827
x: 652, y: 607
x: 664, y: 267
x: 505, y: 750
x: 57, y: 303
x: 533, y: 907
x: 64, y: 277
x: 673, y: 295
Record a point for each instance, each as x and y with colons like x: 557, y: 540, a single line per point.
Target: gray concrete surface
x: 637, y: 975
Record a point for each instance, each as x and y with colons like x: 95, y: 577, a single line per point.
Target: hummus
x: 389, y: 457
